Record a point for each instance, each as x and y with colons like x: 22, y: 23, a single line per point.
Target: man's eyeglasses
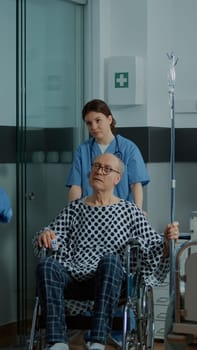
x: 106, y: 170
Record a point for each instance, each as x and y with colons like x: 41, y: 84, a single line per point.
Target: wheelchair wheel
x: 145, y: 322
x: 37, y: 335
x: 130, y: 339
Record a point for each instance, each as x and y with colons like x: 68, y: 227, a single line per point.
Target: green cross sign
x: 121, y: 80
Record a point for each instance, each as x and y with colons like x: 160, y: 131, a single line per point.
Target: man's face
x: 105, y: 172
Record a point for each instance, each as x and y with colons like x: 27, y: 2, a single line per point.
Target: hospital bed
x: 184, y: 327
x: 135, y: 320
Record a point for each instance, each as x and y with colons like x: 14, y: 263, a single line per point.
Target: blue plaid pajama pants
x: 54, y: 284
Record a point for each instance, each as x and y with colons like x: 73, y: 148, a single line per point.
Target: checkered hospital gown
x: 85, y: 233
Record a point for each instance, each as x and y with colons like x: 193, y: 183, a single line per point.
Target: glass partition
x: 50, y: 98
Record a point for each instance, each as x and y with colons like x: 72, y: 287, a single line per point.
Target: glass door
x: 50, y: 98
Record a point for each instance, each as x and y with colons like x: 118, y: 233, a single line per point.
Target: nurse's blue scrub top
x: 134, y: 171
x: 5, y: 208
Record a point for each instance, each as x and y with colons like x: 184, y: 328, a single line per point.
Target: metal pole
x: 171, y: 87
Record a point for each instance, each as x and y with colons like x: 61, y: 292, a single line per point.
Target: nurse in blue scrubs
x: 101, y: 124
x: 5, y: 208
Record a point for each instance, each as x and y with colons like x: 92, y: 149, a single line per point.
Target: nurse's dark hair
x: 99, y: 106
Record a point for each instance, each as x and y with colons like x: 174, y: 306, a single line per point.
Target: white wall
x: 171, y: 27
x: 159, y: 42
x: 151, y: 29
x: 128, y: 37
x: 184, y: 29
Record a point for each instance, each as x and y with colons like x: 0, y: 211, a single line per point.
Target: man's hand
x: 45, y: 238
x: 171, y: 233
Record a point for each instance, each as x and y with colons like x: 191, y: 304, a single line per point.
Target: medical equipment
x: 193, y: 225
x: 171, y: 87
x: 185, y: 319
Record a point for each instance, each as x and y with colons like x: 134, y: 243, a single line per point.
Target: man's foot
x: 58, y: 346
x: 95, y: 346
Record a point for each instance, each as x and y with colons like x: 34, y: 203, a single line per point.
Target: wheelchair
x: 136, y: 322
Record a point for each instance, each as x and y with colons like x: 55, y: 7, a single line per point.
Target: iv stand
x: 171, y: 87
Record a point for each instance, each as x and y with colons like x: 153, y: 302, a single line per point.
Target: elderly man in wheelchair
x: 92, y: 234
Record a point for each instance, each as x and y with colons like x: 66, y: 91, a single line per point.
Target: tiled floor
x: 157, y: 346
x: 160, y: 346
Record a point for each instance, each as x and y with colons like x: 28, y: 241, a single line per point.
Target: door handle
x: 31, y: 196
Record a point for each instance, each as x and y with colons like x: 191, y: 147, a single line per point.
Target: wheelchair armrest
x: 132, y: 256
x: 44, y: 252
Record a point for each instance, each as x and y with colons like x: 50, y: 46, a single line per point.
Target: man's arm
x: 74, y: 193
x: 137, y: 192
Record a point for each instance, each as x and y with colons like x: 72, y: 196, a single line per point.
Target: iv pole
x: 171, y: 87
